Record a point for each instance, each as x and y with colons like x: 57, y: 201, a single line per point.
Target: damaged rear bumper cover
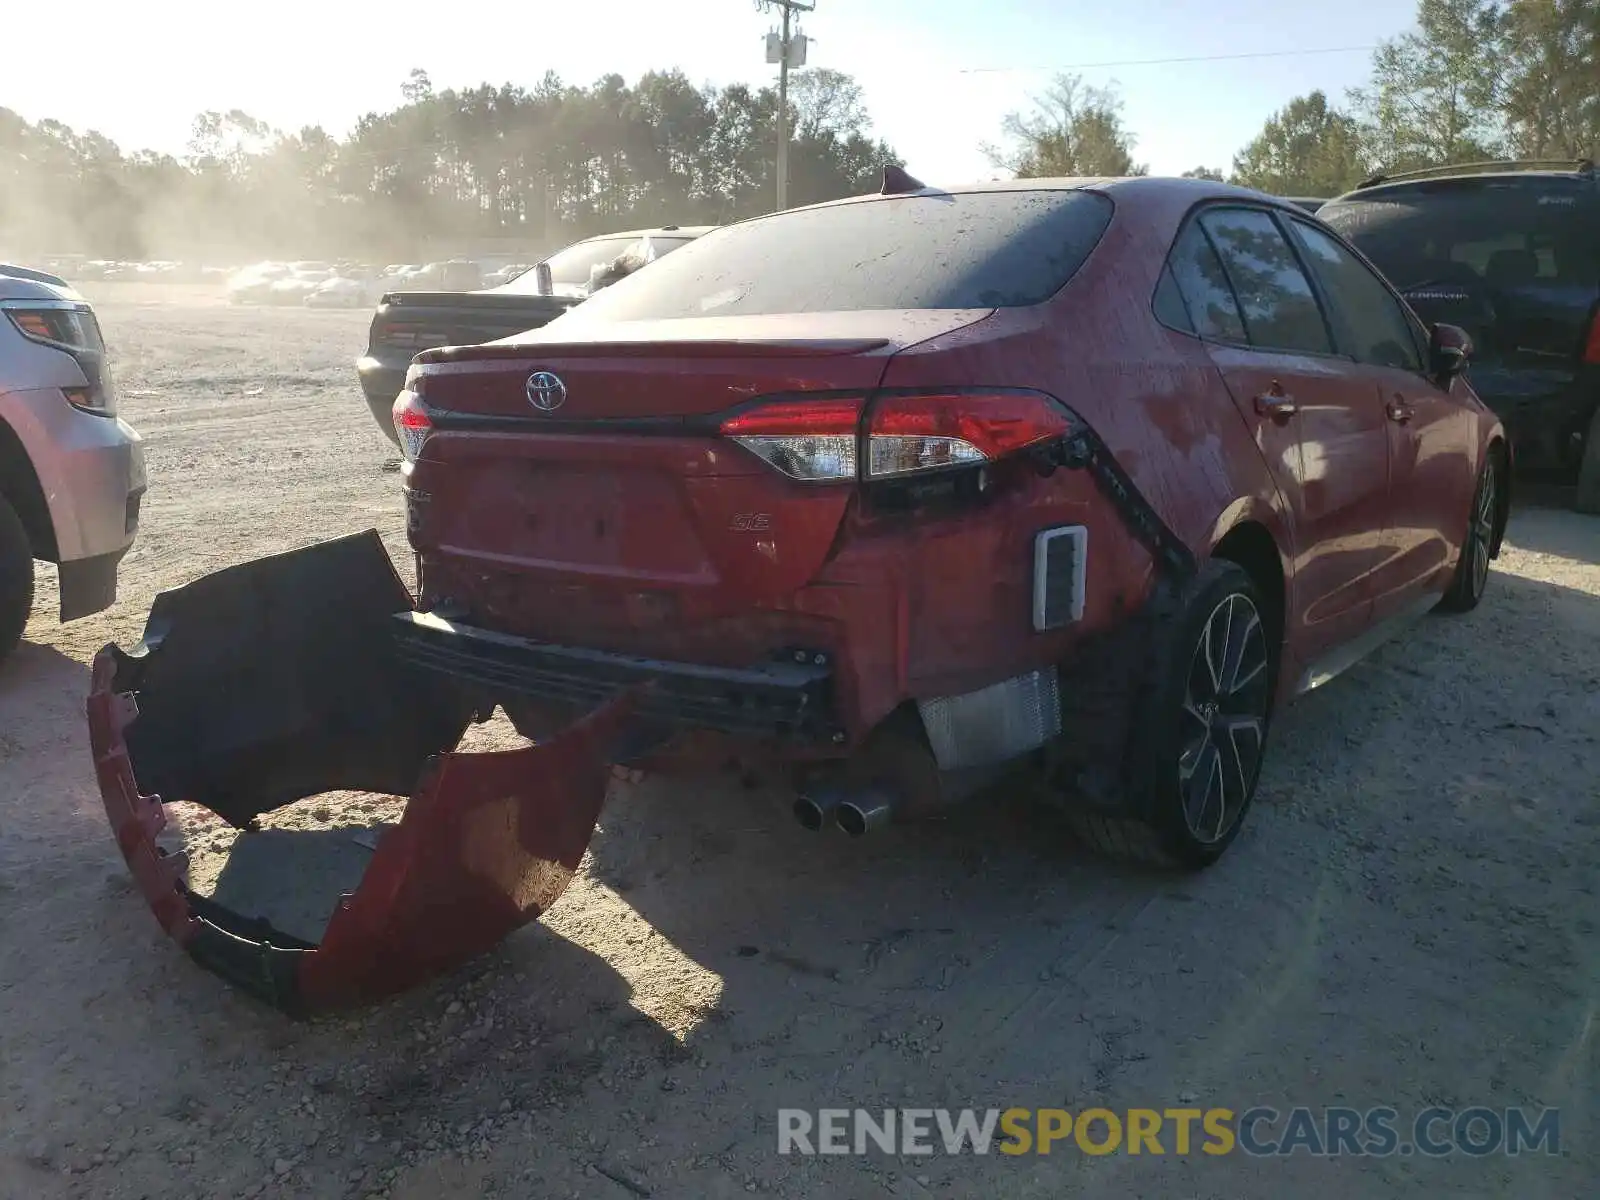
x: 309, y: 672
x: 276, y: 680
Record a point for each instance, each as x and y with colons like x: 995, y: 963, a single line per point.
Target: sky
x: 938, y: 75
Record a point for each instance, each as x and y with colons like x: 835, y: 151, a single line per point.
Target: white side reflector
x: 1060, y: 562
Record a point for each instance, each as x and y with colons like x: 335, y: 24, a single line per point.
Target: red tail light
x: 925, y: 432
x: 411, y: 423
x: 1591, y: 347
x: 813, y: 440
x: 818, y: 440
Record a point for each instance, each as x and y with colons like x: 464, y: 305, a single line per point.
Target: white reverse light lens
x: 893, y: 454
x: 809, y: 457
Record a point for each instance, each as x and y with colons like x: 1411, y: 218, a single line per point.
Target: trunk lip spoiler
x: 493, y: 354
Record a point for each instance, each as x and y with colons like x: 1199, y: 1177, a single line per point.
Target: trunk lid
x: 618, y: 511
x: 406, y: 322
x: 669, y: 370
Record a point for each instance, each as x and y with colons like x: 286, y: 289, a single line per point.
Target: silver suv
x: 71, y: 472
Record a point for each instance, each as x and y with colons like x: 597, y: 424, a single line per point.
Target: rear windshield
x: 570, y: 268
x: 1497, y: 235
x: 973, y: 250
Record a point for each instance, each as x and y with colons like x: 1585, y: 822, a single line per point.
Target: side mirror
x: 1449, y: 349
x: 546, y: 280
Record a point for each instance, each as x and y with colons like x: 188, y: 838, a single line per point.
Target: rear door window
x: 1375, y: 328
x: 1276, y: 299
x: 1168, y: 303
x: 1197, y: 271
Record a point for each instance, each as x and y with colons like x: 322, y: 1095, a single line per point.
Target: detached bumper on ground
x: 274, y: 681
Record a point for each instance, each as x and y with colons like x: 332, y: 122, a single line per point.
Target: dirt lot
x: 1410, y: 918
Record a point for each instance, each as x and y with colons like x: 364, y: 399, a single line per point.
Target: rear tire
x: 1472, y: 568
x: 1199, y: 730
x: 16, y: 579
x: 1587, y: 499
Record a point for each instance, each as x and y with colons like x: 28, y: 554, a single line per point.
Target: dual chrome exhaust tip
x: 853, y: 812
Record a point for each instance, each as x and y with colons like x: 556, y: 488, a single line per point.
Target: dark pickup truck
x: 408, y: 323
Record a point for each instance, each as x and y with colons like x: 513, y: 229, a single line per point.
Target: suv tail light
x: 411, y: 421
x: 1591, y: 345
x: 71, y: 329
x: 823, y: 440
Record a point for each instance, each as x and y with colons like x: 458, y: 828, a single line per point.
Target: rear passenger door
x: 1430, y: 451
x: 1322, y: 432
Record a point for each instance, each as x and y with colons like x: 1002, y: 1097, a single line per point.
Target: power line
x: 1162, y: 62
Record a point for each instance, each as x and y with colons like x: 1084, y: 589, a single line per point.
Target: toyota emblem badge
x: 545, y: 391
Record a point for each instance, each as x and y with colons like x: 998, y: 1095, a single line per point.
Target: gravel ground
x: 1409, y: 919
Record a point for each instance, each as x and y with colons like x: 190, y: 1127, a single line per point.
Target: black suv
x: 1509, y: 251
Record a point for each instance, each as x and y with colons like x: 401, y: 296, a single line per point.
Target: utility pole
x: 787, y: 50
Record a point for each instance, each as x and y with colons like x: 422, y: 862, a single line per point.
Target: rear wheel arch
x: 19, y: 484
x: 1250, y: 545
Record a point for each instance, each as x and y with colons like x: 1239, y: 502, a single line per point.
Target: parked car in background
x: 1310, y: 203
x: 71, y: 472
x: 340, y: 291
x: 456, y: 275
x: 506, y: 274
x: 1081, y: 477
x: 253, y: 284
x: 295, y: 287
x: 1510, y: 252
x: 278, y: 283
x: 408, y: 321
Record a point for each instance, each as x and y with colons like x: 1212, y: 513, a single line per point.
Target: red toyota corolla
x: 911, y: 489
x: 905, y: 493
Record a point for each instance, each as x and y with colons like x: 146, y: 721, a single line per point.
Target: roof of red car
x: 1139, y: 187
x: 683, y: 231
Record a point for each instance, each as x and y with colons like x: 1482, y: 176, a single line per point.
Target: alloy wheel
x: 1224, y: 718
x: 1480, y: 534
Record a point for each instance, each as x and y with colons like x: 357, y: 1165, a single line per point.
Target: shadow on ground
x: 719, y: 962
x: 36, y: 672
x: 1550, y: 527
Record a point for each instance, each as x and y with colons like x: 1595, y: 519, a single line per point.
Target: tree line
x: 542, y: 165
x: 538, y: 166
x: 1473, y: 80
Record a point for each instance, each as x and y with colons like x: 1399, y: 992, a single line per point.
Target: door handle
x: 1400, y: 412
x: 1277, y: 404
